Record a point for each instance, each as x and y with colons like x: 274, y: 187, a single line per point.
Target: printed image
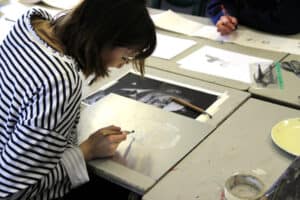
x: 157, y: 93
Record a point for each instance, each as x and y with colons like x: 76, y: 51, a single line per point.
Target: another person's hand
x: 99, y: 145
x: 227, y: 24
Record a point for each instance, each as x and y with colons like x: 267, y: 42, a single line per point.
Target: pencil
x: 189, y: 105
x: 224, y: 11
x: 112, y: 132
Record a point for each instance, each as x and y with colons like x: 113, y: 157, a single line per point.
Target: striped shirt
x: 40, y: 94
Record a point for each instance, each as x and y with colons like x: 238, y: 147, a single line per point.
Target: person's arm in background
x: 282, y: 19
x: 223, y: 15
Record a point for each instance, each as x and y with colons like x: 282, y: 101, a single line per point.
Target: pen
x: 112, y: 132
x: 189, y: 105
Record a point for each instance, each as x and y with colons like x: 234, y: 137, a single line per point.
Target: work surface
x: 241, y: 144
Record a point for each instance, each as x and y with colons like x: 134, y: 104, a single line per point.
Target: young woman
x: 40, y: 91
x: 272, y: 16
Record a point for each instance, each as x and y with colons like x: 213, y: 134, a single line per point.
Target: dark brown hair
x: 97, y: 25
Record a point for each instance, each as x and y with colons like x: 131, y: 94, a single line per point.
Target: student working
x: 272, y: 16
x: 40, y: 91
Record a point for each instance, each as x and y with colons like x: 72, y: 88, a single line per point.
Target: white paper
x: 169, y: 47
x: 222, y: 63
x: 15, y: 10
x: 173, y: 22
x: 5, y: 27
x: 62, y: 4
x: 210, y: 32
x: 268, y: 42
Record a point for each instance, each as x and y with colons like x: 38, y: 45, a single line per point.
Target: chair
x: 198, y: 6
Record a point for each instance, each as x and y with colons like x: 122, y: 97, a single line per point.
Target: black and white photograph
x: 157, y: 93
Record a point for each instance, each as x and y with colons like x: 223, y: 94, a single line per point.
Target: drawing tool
x: 224, y: 11
x: 276, y: 65
x: 280, y: 60
x: 279, y: 75
x: 9, y: 20
x: 189, y: 105
x: 113, y: 132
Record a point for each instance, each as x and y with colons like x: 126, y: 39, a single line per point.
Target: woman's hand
x: 99, y: 145
x: 227, y: 24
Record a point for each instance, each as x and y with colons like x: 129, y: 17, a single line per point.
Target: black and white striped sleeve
x: 38, y: 156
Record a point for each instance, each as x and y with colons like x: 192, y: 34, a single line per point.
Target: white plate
x: 286, y: 135
x: 62, y: 4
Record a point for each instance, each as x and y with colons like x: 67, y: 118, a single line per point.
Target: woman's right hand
x: 99, y: 145
x: 227, y: 24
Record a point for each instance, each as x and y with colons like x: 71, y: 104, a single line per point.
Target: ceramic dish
x: 286, y: 135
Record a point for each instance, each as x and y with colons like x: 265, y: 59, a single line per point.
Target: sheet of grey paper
x: 161, y: 138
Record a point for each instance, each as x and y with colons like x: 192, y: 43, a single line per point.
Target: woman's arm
x: 39, y: 153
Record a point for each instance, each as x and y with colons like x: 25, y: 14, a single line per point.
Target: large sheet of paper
x: 160, y: 139
x: 222, y: 63
x: 169, y: 47
x: 173, y: 22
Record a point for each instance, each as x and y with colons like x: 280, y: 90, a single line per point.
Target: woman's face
x: 119, y: 56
